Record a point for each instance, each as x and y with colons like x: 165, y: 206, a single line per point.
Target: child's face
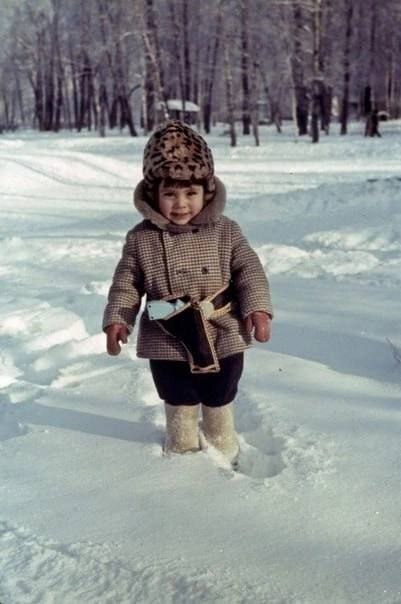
x: 180, y: 204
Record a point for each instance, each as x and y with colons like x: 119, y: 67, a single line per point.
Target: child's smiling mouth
x: 180, y: 215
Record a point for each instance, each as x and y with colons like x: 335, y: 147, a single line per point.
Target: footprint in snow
x: 261, y: 452
x: 304, y: 455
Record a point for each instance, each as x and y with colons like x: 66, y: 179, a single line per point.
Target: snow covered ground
x: 90, y: 510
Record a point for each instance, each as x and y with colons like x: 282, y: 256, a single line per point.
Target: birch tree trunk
x: 74, y: 82
x: 178, y: 52
x: 150, y: 85
x: 187, y: 60
x: 370, y: 93
x: 59, y: 72
x: 301, y: 100
x: 318, y: 81
x: 154, y: 87
x: 245, y: 62
x: 19, y: 95
x: 229, y: 95
x: 105, y: 64
x: 38, y: 85
x: 391, y: 79
x: 209, y: 80
x: 48, y: 82
x: 346, y: 66
x: 326, y: 62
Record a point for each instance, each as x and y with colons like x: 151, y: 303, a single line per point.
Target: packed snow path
x: 90, y: 509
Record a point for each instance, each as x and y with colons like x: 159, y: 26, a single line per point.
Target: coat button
x: 205, y: 270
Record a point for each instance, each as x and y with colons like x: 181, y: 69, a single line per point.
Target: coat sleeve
x: 127, y: 288
x: 248, y: 276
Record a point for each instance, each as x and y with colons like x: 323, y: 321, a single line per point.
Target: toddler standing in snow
x: 206, y: 291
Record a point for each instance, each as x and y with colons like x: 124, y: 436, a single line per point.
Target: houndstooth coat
x: 161, y: 263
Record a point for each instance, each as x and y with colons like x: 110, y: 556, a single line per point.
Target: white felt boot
x: 182, y: 429
x: 219, y: 430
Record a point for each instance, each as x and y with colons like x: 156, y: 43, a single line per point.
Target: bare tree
x: 301, y: 97
x: 245, y: 67
x: 210, y: 69
x: 187, y: 77
x: 154, y: 80
x: 348, y: 7
x: 317, y: 82
x: 228, y: 78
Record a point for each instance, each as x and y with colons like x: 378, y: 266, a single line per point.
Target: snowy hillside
x: 91, y: 511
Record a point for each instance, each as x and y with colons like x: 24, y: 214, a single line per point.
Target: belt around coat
x: 188, y: 321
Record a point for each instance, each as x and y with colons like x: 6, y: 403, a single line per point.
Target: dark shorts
x: 176, y: 385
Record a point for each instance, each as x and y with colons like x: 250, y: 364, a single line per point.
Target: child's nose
x: 180, y: 199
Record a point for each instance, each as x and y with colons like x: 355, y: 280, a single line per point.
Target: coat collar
x: 210, y: 213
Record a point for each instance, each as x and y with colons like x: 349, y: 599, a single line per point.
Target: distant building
x: 187, y: 111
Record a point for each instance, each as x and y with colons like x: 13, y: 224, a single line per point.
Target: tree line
x: 104, y: 64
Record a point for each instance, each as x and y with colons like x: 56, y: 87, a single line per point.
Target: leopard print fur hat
x: 177, y: 151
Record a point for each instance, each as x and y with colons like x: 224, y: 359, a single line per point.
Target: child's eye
x: 191, y: 193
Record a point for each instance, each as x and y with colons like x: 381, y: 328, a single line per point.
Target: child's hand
x: 259, y: 323
x: 116, y: 333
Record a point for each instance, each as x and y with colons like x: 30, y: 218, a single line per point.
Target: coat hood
x: 208, y: 215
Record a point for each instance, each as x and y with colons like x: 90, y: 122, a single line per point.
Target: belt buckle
x: 207, y: 308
